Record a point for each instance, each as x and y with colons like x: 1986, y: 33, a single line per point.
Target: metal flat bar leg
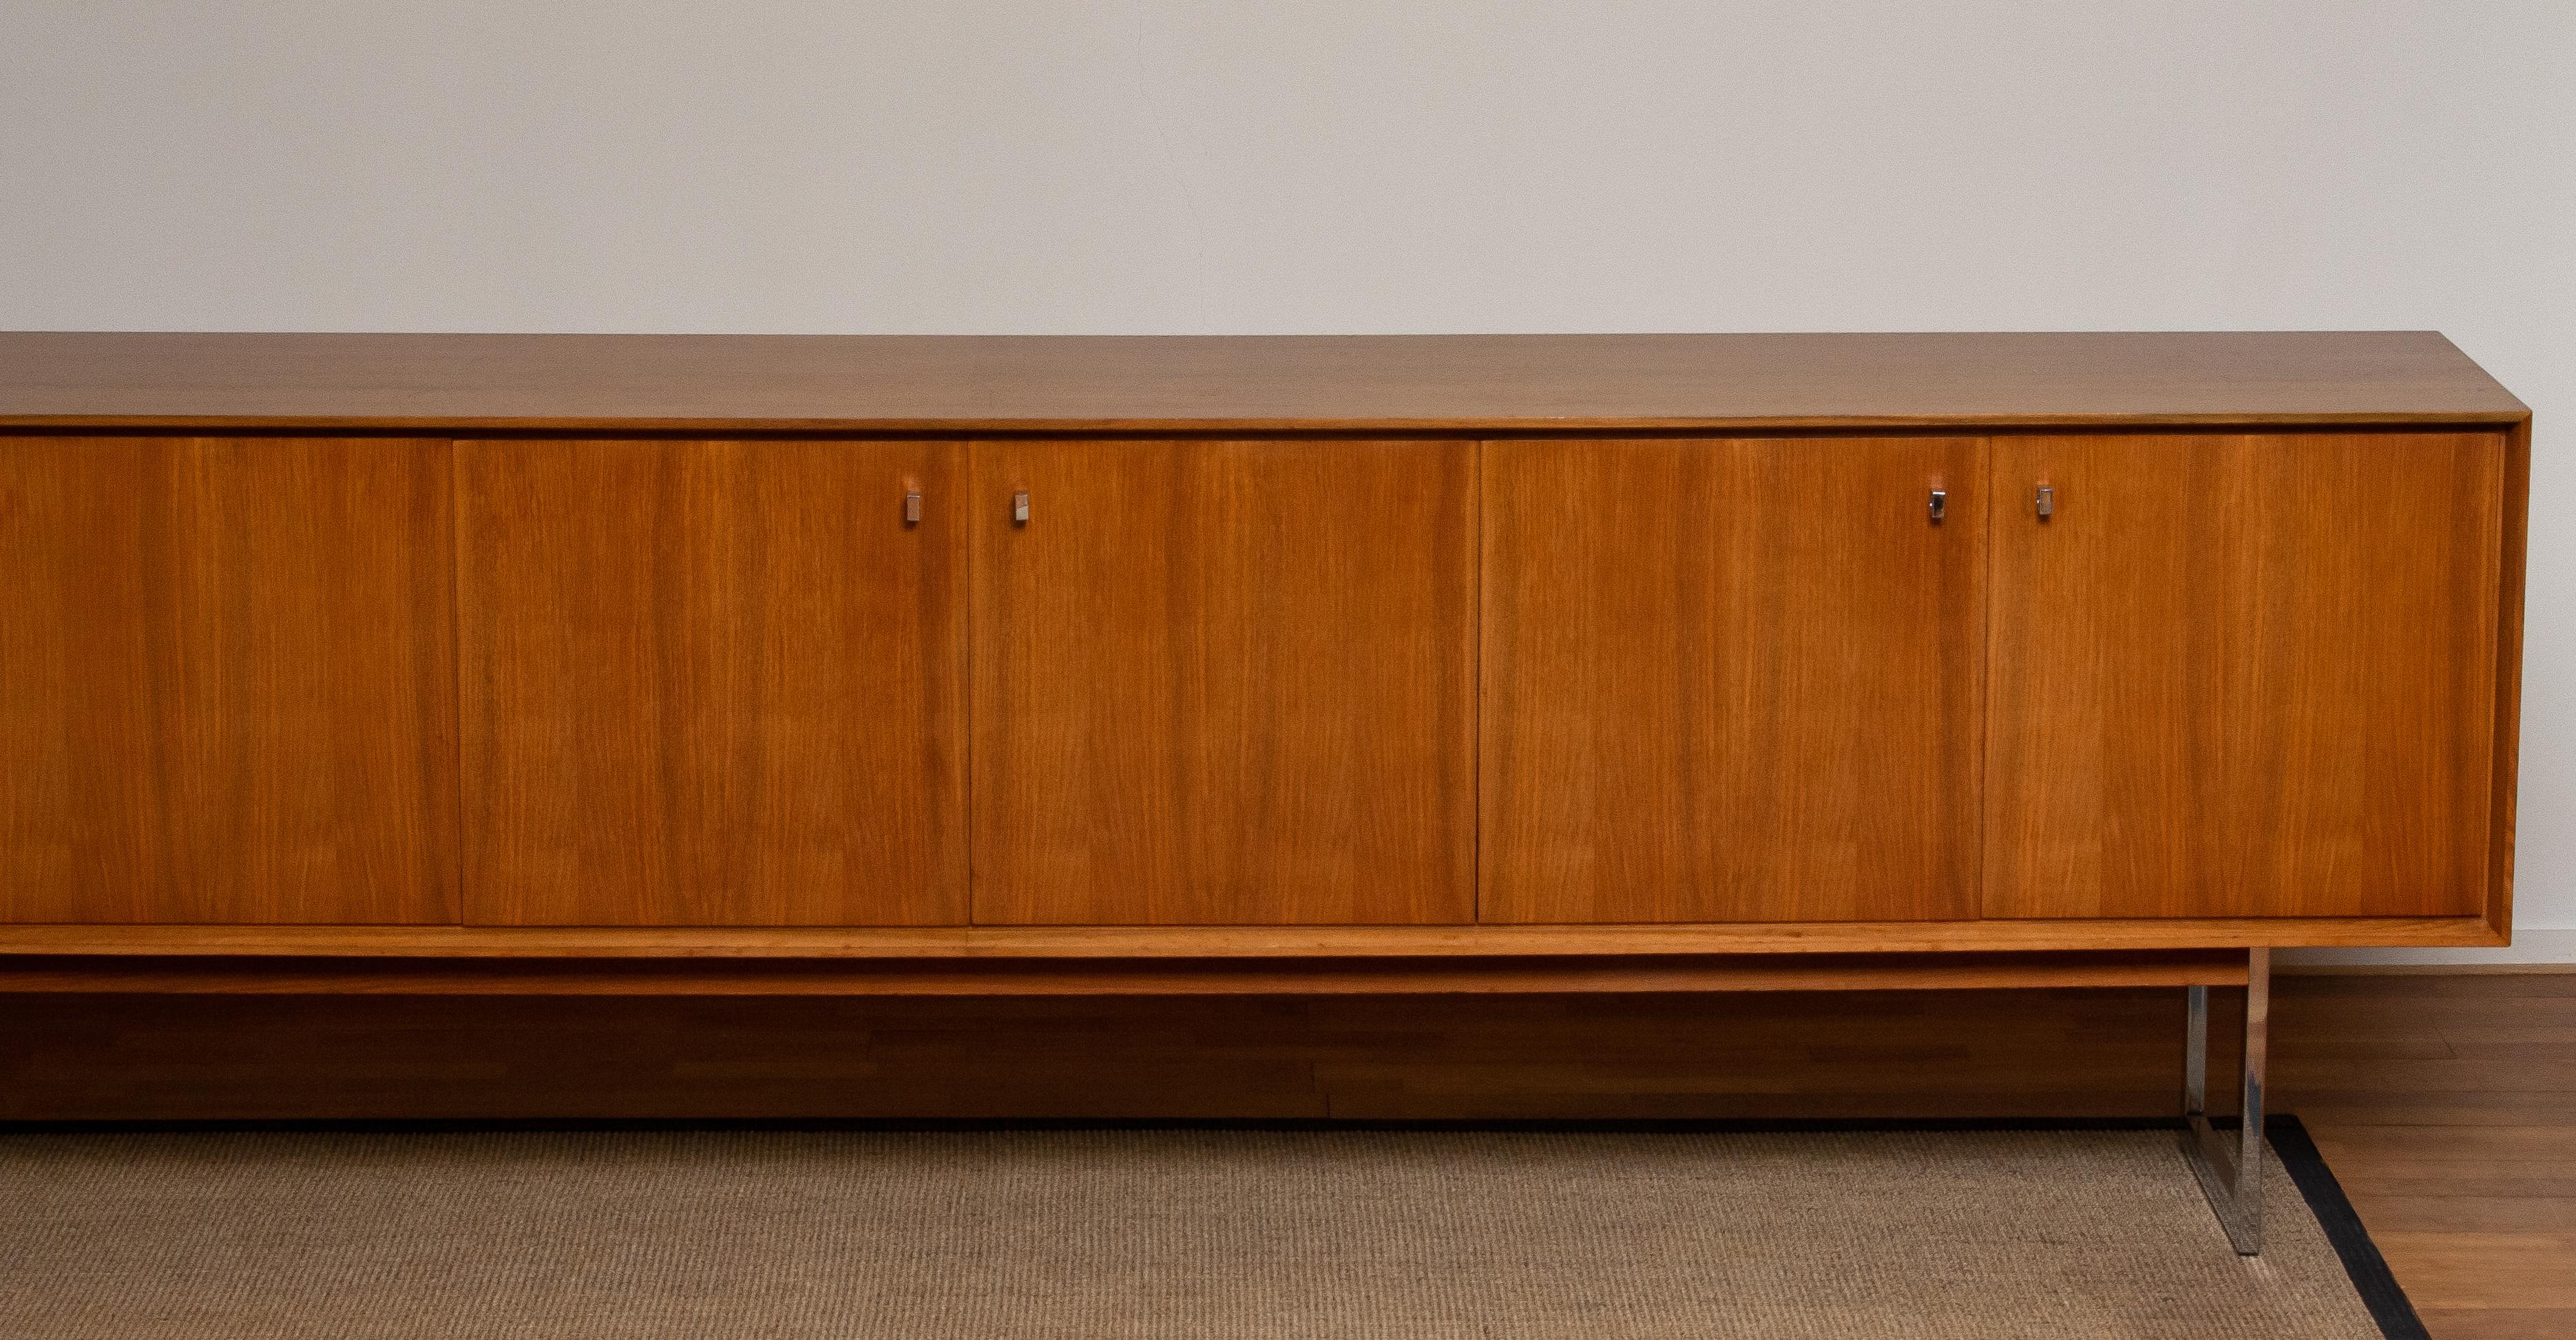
x: 2249, y: 1133
x: 2195, y: 1053
x: 2230, y: 1171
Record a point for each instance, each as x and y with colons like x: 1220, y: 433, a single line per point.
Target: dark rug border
x: 2363, y: 1265
x: 2362, y: 1262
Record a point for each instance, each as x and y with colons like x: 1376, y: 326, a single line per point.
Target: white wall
x: 1414, y: 165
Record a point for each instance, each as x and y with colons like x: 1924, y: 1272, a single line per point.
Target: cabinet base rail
x: 1094, y: 975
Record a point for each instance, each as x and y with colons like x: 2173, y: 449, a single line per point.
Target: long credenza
x: 574, y: 663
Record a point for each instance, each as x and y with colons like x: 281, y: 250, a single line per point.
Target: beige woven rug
x: 1178, y: 1233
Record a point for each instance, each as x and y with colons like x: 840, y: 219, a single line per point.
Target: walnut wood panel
x: 1431, y: 941
x: 1732, y: 680
x: 1224, y: 682
x: 227, y: 684
x: 720, y: 384
x: 2244, y: 676
x: 713, y: 683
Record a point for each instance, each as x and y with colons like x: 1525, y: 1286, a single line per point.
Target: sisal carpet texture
x: 1136, y: 1233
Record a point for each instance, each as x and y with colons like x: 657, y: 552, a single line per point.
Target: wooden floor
x: 2447, y: 1107
x: 2446, y: 1104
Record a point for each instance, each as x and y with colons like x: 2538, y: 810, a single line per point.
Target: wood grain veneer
x: 721, y: 384
x: 2244, y: 675
x: 713, y: 683
x: 1735, y: 680
x: 227, y: 680
x: 1224, y: 682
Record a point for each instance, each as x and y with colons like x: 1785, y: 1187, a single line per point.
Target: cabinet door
x: 712, y: 683
x: 2243, y: 676
x: 1731, y: 680
x: 227, y: 680
x: 1224, y: 682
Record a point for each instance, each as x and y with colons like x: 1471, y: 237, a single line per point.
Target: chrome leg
x: 2231, y: 1178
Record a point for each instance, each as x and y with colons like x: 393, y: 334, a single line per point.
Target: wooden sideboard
x: 571, y: 663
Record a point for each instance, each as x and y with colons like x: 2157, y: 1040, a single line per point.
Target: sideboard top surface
x: 1217, y: 384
